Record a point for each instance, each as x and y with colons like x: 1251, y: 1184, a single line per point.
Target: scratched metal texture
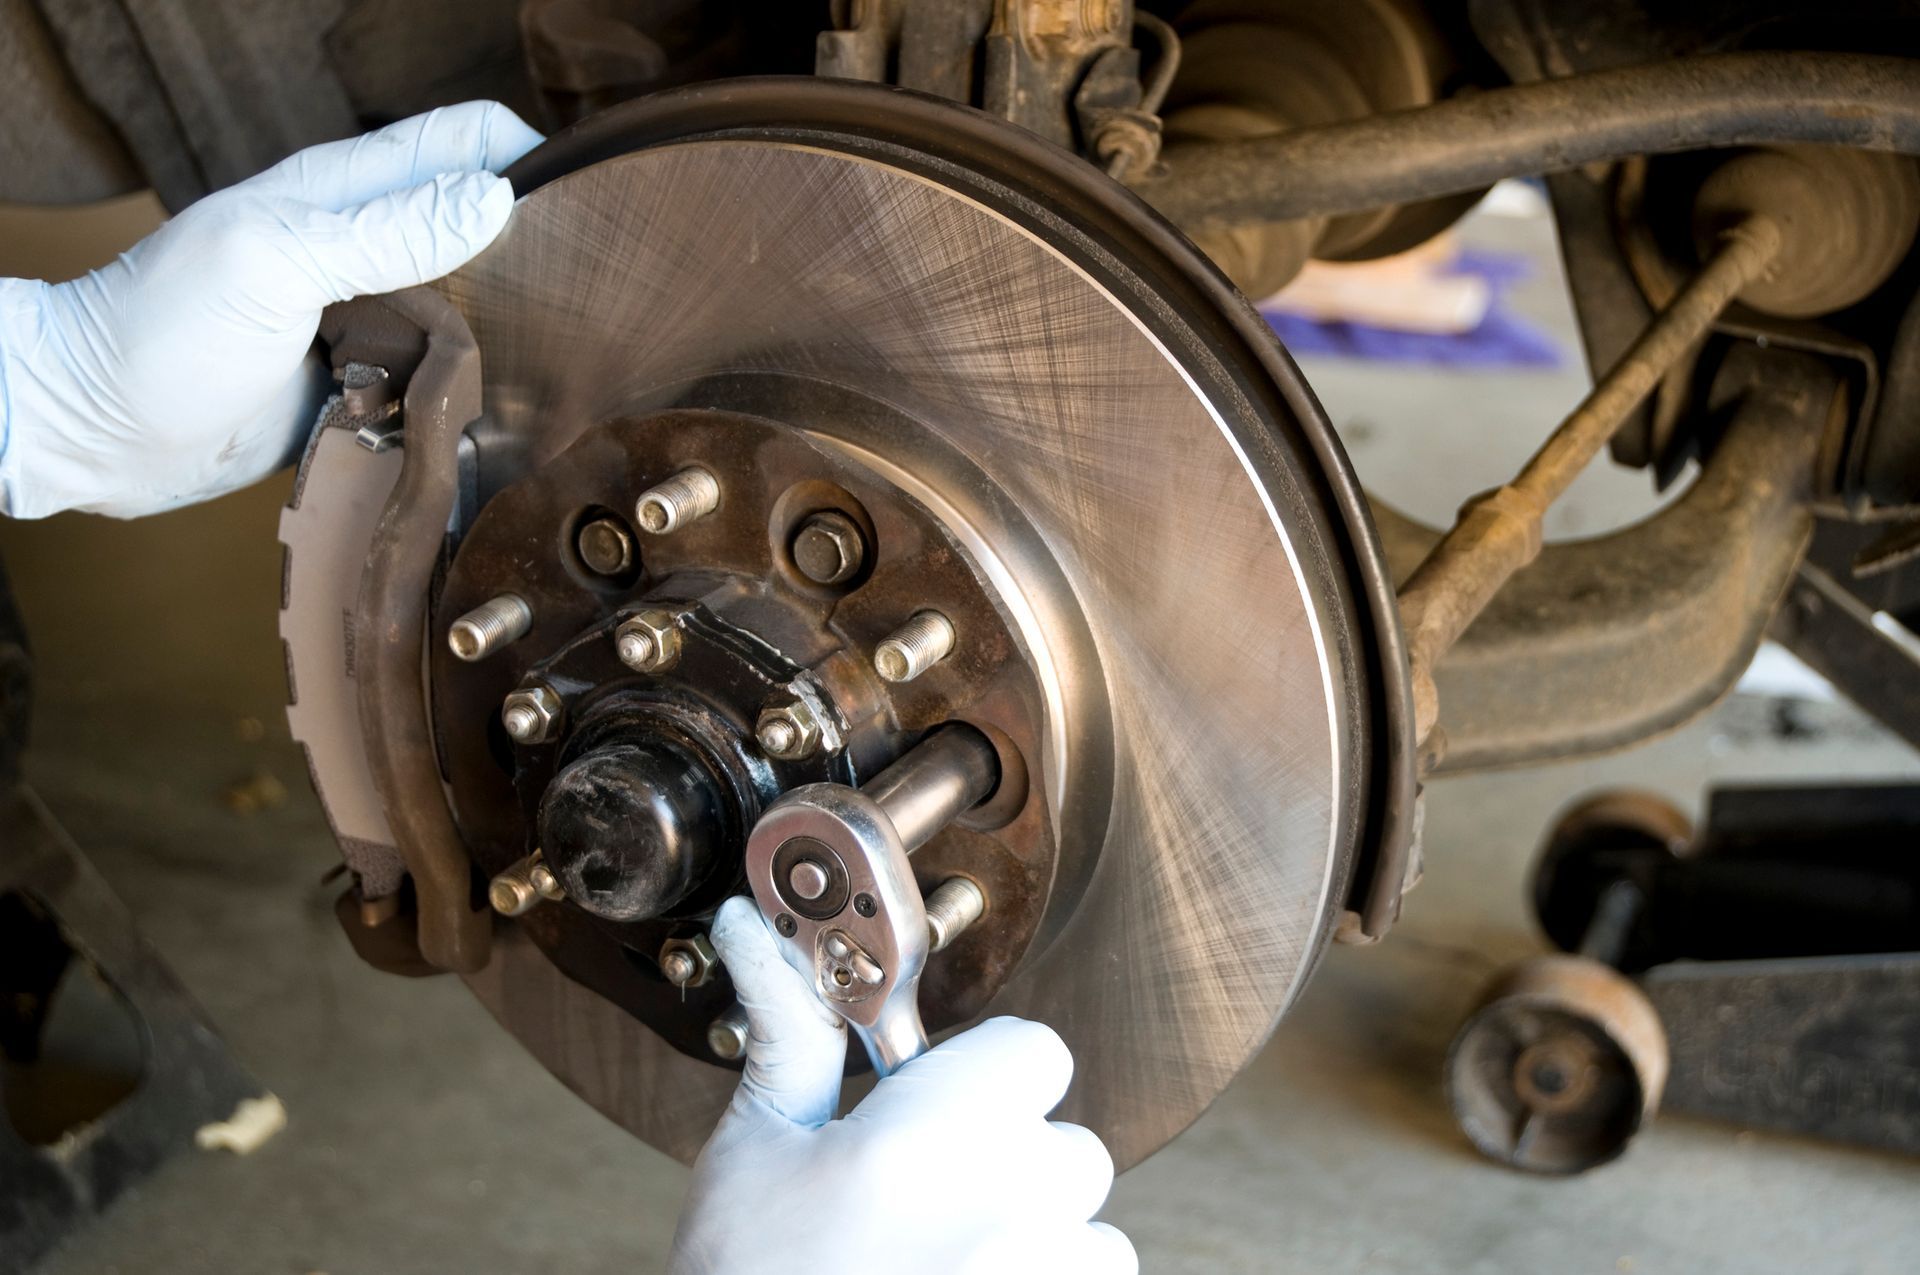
x: 617, y: 287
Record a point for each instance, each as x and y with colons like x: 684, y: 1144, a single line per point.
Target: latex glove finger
x: 1086, y: 1248
x: 1027, y: 1172
x: 336, y: 176
x: 1082, y: 1169
x: 396, y: 240
x: 796, y: 1047
x: 1011, y: 1066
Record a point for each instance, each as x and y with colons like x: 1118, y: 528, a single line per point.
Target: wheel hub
x: 933, y: 373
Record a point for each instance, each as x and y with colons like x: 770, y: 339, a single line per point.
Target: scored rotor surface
x: 631, y: 283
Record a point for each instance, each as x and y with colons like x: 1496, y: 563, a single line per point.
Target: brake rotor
x: 981, y: 338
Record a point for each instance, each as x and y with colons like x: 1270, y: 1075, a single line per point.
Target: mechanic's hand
x: 180, y: 371
x: 949, y: 1165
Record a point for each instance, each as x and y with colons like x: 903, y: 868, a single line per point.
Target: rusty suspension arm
x: 1499, y: 533
x: 1469, y: 142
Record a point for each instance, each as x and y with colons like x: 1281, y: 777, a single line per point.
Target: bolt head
x: 532, y: 714
x: 828, y: 548
x: 788, y: 732
x: 606, y: 547
x: 649, y: 642
x: 864, y: 904
x: 688, y: 962
x: 545, y: 884
x: 786, y: 925
x: 727, y: 1038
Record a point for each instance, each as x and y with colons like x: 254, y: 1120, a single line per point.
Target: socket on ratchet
x: 828, y: 866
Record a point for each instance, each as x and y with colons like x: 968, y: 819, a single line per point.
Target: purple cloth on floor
x: 1500, y: 339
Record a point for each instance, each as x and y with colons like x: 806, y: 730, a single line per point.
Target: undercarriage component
x: 1559, y: 1068
x: 1856, y: 628
x: 1264, y: 68
x: 910, y: 421
x: 1761, y: 971
x: 1470, y: 142
x: 1499, y: 533
x: 1599, y: 643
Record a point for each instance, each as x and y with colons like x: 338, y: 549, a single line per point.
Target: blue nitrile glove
x: 949, y: 1165
x: 181, y: 371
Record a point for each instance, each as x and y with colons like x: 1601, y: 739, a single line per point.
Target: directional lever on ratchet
x: 828, y: 866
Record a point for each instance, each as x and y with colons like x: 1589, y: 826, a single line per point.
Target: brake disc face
x: 1033, y: 428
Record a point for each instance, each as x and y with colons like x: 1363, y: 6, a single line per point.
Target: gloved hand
x: 180, y: 371
x: 949, y: 1165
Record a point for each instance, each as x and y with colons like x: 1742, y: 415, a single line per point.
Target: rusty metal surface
x: 626, y: 284
x: 1559, y: 1068
x: 756, y: 624
x: 1499, y: 533
x: 1604, y: 642
x: 1064, y: 69
x: 1469, y: 142
x: 1262, y: 69
x: 443, y: 397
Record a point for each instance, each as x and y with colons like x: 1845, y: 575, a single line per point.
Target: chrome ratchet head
x: 831, y: 876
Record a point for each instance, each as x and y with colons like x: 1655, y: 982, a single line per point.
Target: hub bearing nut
x: 688, y: 962
x: 788, y: 732
x: 532, y: 714
x: 649, y: 642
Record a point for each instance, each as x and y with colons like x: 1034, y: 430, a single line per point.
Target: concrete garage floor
x: 423, y: 1140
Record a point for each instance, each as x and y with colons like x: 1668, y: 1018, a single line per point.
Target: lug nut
x: 649, y: 642
x: 788, y: 732
x: 828, y: 548
x: 528, y: 882
x: 688, y: 962
x: 531, y: 714
x: 606, y: 547
x: 727, y: 1035
x: 914, y: 647
x: 951, y: 908
x: 489, y: 626
x: 692, y: 493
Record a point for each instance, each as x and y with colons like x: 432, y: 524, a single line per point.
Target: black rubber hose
x: 1470, y: 142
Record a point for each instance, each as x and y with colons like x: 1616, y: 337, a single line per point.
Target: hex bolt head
x: 668, y: 506
x: 606, y: 547
x: 649, y: 642
x: 532, y: 714
x: 913, y: 648
x: 828, y: 548
x: 488, y: 627
x: 688, y: 962
x: 788, y: 732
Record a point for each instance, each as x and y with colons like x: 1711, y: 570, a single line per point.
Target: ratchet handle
x: 830, y: 873
x: 897, y: 1036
